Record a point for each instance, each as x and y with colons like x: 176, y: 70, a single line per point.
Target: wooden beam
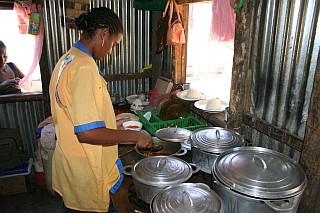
x: 272, y: 131
x: 22, y: 97
x: 128, y: 76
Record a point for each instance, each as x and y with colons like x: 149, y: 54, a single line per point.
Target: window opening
x: 209, y: 59
x: 20, y: 48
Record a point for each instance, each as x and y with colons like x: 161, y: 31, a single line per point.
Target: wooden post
x: 310, y: 156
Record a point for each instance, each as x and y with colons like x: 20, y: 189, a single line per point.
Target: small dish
x: 132, y: 125
x: 183, y: 95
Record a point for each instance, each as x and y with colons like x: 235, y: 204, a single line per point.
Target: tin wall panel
x: 130, y: 56
x: 283, y: 59
x: 26, y: 117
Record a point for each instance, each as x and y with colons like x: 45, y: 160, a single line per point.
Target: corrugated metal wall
x: 129, y: 57
x: 24, y: 116
x: 284, y: 48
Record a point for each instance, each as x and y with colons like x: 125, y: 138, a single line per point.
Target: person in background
x: 86, y: 169
x: 10, y: 75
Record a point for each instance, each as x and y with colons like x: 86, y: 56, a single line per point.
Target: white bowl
x: 132, y: 125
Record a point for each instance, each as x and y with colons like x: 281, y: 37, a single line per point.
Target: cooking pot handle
x: 195, y: 166
x: 181, y: 152
x: 277, y: 208
x: 126, y: 168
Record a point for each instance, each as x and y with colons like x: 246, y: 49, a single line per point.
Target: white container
x: 132, y: 125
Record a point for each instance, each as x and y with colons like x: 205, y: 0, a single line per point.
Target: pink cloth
x: 223, y: 21
x: 23, y: 12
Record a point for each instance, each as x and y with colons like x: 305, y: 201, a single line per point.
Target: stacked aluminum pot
x: 256, y: 179
x: 185, y: 198
x: 208, y: 142
x: 152, y: 174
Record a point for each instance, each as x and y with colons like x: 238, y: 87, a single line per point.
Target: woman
x: 10, y: 75
x: 85, y: 165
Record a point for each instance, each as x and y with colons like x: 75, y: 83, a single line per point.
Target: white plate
x: 131, y: 98
x: 132, y: 116
x: 183, y: 95
x: 202, y: 104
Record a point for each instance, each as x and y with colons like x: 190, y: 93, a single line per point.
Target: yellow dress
x: 83, y: 174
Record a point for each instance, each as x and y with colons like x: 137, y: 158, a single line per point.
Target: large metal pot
x: 256, y: 179
x: 152, y: 174
x: 187, y: 197
x: 168, y: 149
x: 208, y: 142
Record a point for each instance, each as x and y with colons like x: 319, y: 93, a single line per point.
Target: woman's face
x: 3, y: 57
x: 108, y: 43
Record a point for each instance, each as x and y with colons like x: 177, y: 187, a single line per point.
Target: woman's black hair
x: 98, y: 18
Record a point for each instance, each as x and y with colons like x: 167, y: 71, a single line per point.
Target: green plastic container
x: 155, y: 123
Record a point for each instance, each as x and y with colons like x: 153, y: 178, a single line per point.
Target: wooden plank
x: 21, y: 97
x: 180, y: 51
x: 272, y: 131
x: 129, y: 76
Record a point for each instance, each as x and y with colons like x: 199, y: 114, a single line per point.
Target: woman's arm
x: 104, y: 136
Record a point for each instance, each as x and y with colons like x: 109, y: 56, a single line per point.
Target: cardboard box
x: 163, y: 85
x: 13, y: 185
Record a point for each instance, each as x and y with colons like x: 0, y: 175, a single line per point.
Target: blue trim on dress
x: 116, y: 186
x: 89, y: 126
x: 81, y: 47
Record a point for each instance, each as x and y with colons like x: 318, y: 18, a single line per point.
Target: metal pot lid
x: 215, y: 139
x: 173, y: 134
x: 259, y: 172
x: 187, y: 197
x: 161, y: 171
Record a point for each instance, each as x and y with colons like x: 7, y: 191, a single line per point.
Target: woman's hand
x: 145, y: 140
x: 121, y: 121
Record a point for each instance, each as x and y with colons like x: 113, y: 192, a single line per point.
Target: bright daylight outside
x: 19, y: 48
x: 209, y: 62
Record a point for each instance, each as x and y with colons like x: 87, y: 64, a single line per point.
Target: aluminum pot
x: 168, y: 149
x: 153, y: 174
x: 187, y: 197
x: 208, y: 142
x: 256, y: 179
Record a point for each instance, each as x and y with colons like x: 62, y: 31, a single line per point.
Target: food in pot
x: 193, y: 93
x: 214, y: 104
x: 148, y: 154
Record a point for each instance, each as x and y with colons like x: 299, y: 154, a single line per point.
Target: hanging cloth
x: 223, y: 21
